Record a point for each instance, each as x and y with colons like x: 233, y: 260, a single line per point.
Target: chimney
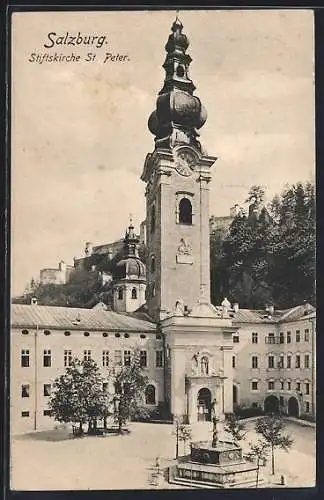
x: 88, y: 249
x: 62, y: 266
x: 270, y: 309
x: 234, y: 210
x: 109, y: 254
x: 235, y: 307
x: 33, y: 301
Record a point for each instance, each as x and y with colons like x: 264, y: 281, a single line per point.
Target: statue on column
x: 215, y: 421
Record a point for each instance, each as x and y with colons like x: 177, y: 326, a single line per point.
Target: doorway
x: 293, y: 407
x: 204, y: 405
x: 271, y: 404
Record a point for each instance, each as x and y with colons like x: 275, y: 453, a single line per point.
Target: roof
x: 70, y: 318
x: 279, y: 316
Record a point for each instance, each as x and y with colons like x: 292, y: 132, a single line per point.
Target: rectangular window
x: 289, y: 386
x: 254, y: 338
x: 288, y: 361
x: 143, y: 358
x: 281, y: 338
x: 271, y: 338
x: 288, y: 337
x: 297, y: 364
x: 270, y: 361
x: 67, y: 358
x: 47, y: 413
x: 159, y: 359
x: 87, y: 355
x: 281, y: 385
x: 25, y: 413
x: 271, y: 385
x: 47, y: 389
x: 118, y: 358
x: 306, y: 388
x: 306, y: 335
x: 25, y: 358
x: 297, y: 336
x: 298, y: 386
x: 236, y: 339
x: 25, y: 391
x: 281, y: 361
x: 254, y: 386
x: 233, y: 362
x: 127, y: 358
x: 306, y: 361
x: 105, y: 358
x: 254, y: 362
x: 47, y: 358
x: 307, y: 407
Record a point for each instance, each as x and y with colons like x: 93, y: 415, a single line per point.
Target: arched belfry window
x: 120, y: 294
x: 185, y: 211
x: 134, y: 293
x: 204, y: 365
x: 153, y: 217
x: 150, y: 398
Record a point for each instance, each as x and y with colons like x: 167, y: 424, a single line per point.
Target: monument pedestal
x: 222, y: 466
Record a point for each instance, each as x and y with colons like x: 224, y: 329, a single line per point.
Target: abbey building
x: 192, y: 351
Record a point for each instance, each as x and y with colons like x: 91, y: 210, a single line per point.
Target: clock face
x: 185, y: 162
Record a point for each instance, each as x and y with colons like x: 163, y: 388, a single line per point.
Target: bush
x: 248, y: 412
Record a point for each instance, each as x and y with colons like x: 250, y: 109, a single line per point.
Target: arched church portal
x: 204, y: 405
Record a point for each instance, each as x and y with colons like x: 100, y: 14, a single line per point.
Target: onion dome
x: 131, y: 266
x: 178, y: 114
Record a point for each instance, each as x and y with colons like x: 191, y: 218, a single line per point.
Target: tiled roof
x: 31, y: 316
x: 279, y: 316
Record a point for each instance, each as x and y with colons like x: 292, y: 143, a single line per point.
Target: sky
x: 79, y: 133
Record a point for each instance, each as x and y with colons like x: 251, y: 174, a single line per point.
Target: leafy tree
x: 235, y: 427
x: 269, y: 254
x: 183, y: 433
x: 78, y: 395
x: 258, y: 451
x: 294, y: 245
x: 218, y: 268
x: 271, y: 428
x: 256, y: 195
x: 130, y: 383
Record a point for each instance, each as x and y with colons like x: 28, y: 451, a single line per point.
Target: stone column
x: 178, y: 396
x: 228, y: 382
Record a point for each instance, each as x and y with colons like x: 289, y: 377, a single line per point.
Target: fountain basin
x: 225, y: 452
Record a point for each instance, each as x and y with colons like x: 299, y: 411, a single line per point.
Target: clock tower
x: 177, y: 175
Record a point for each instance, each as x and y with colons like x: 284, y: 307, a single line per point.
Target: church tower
x: 197, y: 336
x: 177, y: 176
x: 129, y: 276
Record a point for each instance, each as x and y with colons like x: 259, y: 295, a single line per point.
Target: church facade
x: 163, y: 309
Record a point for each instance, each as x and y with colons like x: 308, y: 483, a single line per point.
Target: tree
x: 78, y: 395
x: 235, y: 427
x: 271, y: 428
x: 258, y: 451
x: 256, y: 195
x: 183, y: 433
x: 130, y: 383
x: 294, y: 245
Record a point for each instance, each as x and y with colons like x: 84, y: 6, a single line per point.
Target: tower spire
x: 179, y: 114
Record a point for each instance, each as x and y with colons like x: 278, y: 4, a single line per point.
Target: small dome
x: 130, y: 267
